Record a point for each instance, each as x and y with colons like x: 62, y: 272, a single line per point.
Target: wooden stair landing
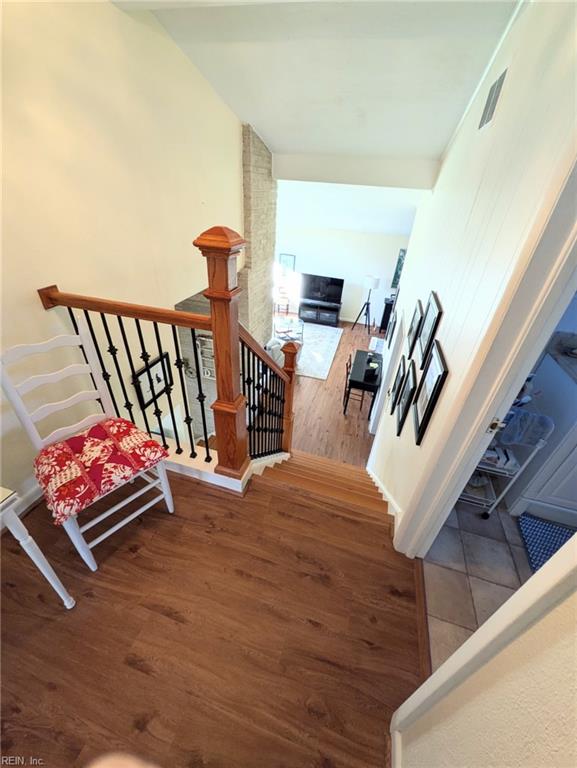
x: 346, y: 485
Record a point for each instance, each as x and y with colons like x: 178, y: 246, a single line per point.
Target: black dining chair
x: 349, y: 393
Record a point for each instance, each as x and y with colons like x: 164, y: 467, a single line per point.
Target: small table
x: 358, y: 372
x: 289, y: 329
x: 9, y: 518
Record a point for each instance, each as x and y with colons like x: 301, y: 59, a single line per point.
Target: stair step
x: 212, y: 442
x: 335, y: 469
x: 360, y: 485
x: 327, y: 489
x: 343, y: 507
x: 309, y: 459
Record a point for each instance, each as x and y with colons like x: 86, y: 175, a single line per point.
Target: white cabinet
x: 552, y: 492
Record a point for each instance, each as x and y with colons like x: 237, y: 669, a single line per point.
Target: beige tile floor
x: 473, y: 567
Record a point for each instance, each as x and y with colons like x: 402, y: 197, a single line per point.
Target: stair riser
x: 295, y: 475
x: 324, y: 489
x: 348, y: 509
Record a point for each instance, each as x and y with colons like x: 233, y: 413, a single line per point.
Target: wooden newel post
x: 290, y: 351
x: 220, y: 246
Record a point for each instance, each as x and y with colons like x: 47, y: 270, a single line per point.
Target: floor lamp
x: 372, y: 283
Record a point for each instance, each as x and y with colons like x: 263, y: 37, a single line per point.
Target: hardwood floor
x: 320, y: 426
x: 278, y: 630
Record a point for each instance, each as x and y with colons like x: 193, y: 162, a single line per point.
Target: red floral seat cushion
x: 79, y: 470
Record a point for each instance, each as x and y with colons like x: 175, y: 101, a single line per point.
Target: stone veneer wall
x: 256, y: 277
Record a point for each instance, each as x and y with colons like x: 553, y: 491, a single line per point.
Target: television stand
x: 323, y: 312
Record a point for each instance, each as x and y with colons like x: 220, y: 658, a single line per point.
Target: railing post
x: 220, y: 246
x: 290, y: 351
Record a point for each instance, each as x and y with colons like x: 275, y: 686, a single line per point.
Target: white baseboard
x: 394, y: 508
x: 258, y: 466
x: 198, y: 469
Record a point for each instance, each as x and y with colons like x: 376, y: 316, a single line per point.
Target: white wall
x: 473, y: 241
x: 117, y: 153
x: 349, y: 255
x: 517, y: 711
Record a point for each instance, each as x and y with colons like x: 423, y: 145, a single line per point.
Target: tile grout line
x: 469, y: 575
x: 454, y: 623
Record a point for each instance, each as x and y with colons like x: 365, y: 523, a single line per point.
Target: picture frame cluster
x: 425, y: 355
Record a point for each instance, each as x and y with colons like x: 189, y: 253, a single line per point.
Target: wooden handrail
x: 52, y: 297
x: 220, y: 246
x: 255, y: 347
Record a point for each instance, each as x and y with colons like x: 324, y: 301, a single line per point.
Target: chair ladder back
x: 29, y: 418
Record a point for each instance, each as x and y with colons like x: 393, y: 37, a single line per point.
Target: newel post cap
x: 219, y: 239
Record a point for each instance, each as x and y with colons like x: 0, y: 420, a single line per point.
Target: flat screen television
x: 319, y: 288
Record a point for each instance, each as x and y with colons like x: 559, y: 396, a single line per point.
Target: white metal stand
x: 514, y: 479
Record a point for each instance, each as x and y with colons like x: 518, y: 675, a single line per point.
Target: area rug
x: 320, y: 344
x: 542, y: 538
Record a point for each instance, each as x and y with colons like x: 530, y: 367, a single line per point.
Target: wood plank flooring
x: 271, y: 631
x: 320, y: 426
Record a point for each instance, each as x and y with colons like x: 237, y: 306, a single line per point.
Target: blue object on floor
x: 542, y: 538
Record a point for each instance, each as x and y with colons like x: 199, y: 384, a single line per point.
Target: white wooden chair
x: 81, y: 463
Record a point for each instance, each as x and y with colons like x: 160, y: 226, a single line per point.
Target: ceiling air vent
x: 492, y: 100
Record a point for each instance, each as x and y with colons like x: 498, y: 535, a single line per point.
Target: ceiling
x: 344, y: 206
x: 378, y: 79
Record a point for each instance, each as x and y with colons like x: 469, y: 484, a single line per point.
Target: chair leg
x: 73, y: 530
x: 347, y: 395
x: 161, y: 469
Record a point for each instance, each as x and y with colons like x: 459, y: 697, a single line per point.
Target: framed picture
x: 397, y: 383
x: 429, y: 327
x: 415, y: 327
x: 406, y: 396
x: 287, y: 261
x: 430, y: 387
x: 399, y: 268
x: 156, y: 372
x: 391, y: 328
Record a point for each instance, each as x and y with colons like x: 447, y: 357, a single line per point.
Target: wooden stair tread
x: 212, y: 442
x: 346, y: 508
x: 324, y: 461
x: 360, y: 476
x: 364, y: 490
x: 324, y: 487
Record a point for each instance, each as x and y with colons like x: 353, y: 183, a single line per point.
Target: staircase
x: 342, y: 485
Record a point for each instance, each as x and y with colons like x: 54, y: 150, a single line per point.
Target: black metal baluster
x: 179, y: 364
x: 168, y: 387
x: 268, y: 404
x: 254, y: 406
x: 276, y: 411
x: 105, y: 374
x: 132, y: 369
x: 259, y: 404
x: 263, y: 405
x: 145, y: 357
x: 113, y: 351
x: 75, y: 327
x: 242, y: 368
x: 201, y: 397
x: 250, y: 412
x: 273, y: 378
x: 243, y: 376
x: 281, y: 411
x: 282, y: 400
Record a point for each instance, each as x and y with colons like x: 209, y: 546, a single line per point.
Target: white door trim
x: 534, y: 310
x: 554, y: 582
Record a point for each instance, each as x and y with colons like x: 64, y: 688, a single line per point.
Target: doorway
x: 518, y: 508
